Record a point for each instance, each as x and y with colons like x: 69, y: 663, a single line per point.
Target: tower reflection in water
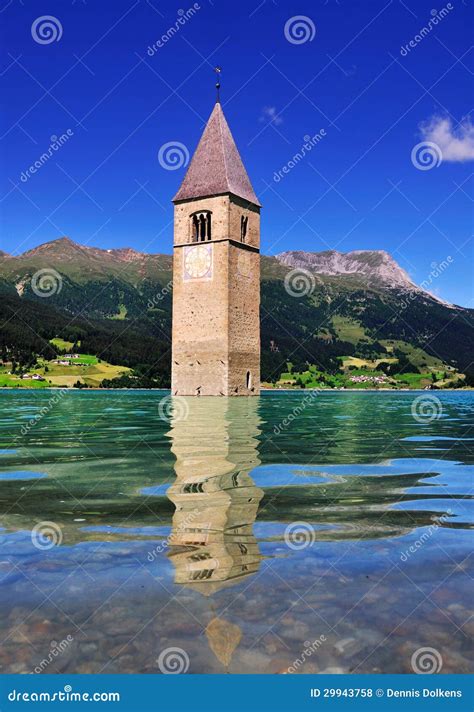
x: 214, y: 440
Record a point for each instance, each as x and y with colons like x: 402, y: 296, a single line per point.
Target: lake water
x: 292, y: 532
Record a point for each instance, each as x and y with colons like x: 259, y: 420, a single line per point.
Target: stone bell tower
x: 216, y: 272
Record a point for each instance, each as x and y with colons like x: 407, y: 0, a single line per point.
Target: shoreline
x: 262, y: 390
x: 365, y: 390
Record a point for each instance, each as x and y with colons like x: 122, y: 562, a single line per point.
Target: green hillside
x: 87, y: 370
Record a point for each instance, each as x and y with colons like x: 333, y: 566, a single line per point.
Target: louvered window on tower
x: 244, y: 221
x: 201, y: 226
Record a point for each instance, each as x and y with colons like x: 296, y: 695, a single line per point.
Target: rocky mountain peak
x: 377, y: 266
x: 66, y: 249
x: 63, y: 246
x: 126, y: 254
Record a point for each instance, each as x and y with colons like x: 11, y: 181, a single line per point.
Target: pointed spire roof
x: 216, y: 166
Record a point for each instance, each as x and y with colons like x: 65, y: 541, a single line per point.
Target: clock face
x: 198, y: 262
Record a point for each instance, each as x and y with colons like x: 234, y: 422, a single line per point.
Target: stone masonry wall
x: 216, y: 330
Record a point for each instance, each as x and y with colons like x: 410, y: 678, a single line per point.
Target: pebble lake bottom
x: 291, y: 533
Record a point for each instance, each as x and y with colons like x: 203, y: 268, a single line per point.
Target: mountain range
x: 317, y: 309
x: 377, y: 267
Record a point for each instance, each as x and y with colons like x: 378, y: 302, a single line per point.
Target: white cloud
x: 270, y: 113
x: 456, y: 144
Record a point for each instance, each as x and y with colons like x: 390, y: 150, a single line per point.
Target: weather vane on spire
x: 218, y: 71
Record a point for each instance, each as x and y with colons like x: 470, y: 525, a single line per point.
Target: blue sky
x: 358, y: 187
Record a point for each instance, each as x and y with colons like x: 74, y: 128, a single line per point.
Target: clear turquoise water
x: 238, y: 531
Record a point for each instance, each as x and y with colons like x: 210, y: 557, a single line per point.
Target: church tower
x: 216, y: 272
